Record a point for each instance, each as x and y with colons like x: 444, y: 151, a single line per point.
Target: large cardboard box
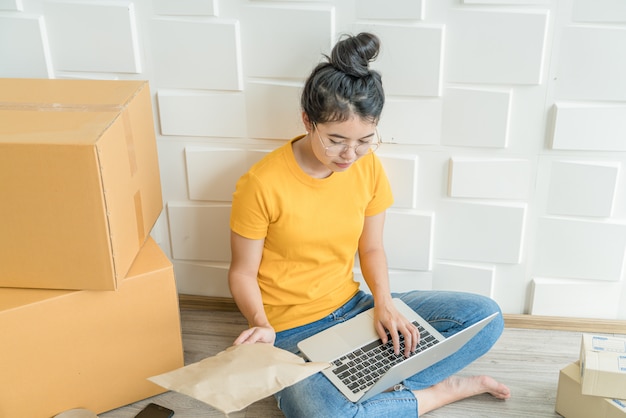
x: 89, y: 349
x: 603, y: 366
x: 571, y: 403
x: 79, y: 181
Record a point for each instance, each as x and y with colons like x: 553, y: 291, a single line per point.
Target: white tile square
x: 285, y: 42
x: 188, y: 113
x: 509, y: 48
x: 580, y: 249
x: 207, y: 54
x: 590, y: 64
x: 600, y: 11
x: 582, y: 188
x: 408, y: 240
x: 402, y: 172
x: 489, y: 178
x: 401, y: 281
x: 476, y: 118
x: 575, y: 298
x: 198, y: 278
x: 173, y: 171
x: 411, y: 60
x: 390, y: 9
x: 589, y: 127
x: 30, y: 57
x: 186, y: 7
x: 411, y: 121
x: 273, y: 109
x: 479, y: 232
x: 496, y: 2
x: 212, y: 173
x: 82, y: 39
x: 464, y: 278
x: 199, y: 232
x: 12, y: 5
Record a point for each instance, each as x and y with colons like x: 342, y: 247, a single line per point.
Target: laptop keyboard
x: 363, y: 367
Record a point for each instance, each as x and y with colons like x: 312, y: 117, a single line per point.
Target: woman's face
x: 337, y: 145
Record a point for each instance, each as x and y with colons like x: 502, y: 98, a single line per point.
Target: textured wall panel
x: 476, y: 118
x: 199, y: 232
x: 411, y: 121
x: 274, y: 110
x: 607, y: 11
x: 16, y: 5
x: 390, y: 9
x: 82, y: 39
x: 201, y: 279
x: 579, y: 249
x: 582, y: 188
x: 284, y: 42
x: 207, y: 54
x: 496, y: 2
x: 172, y: 159
x: 591, y: 64
x: 202, y: 114
x: 30, y: 57
x: 508, y: 48
x: 589, y: 127
x: 186, y: 7
x: 575, y: 298
x: 408, y: 240
x: 472, y: 80
x: 411, y: 60
x: 212, y: 173
x: 464, y: 278
x: 489, y: 178
x: 401, y: 281
x: 402, y: 174
x: 479, y: 232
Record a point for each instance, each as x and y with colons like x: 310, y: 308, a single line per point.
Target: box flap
x: 28, y: 92
x: 19, y: 127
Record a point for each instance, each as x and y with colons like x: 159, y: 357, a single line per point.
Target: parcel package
x: 89, y: 349
x: 79, y: 181
x: 571, y: 403
x: 603, y: 366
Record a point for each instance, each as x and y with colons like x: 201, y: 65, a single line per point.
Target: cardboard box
x: 89, y: 349
x: 571, y: 403
x: 79, y: 181
x: 603, y: 366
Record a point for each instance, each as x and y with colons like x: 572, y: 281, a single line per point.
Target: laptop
x: 361, y: 367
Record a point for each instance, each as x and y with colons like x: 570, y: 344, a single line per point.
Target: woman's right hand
x: 256, y: 335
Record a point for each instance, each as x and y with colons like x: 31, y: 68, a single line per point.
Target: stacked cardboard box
x: 88, y: 302
x: 595, y: 386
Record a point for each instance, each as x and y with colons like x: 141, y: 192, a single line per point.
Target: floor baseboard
x: 604, y: 326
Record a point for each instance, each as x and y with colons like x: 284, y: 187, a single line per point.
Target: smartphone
x: 153, y: 410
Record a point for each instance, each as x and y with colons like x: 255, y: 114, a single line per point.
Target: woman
x: 298, y: 218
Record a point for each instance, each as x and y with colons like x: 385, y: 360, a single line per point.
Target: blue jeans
x: 448, y: 312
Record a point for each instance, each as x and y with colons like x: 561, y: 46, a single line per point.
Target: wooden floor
x: 526, y: 360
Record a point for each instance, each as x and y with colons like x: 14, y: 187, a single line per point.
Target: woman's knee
x: 313, y: 397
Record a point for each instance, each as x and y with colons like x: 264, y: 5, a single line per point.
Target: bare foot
x: 455, y: 388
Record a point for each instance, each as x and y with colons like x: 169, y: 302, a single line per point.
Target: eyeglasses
x: 334, y: 150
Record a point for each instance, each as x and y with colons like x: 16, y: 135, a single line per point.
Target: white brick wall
x: 505, y: 127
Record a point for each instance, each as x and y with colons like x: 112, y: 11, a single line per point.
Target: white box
x: 603, y: 366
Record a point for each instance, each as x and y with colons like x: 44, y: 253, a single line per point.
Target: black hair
x: 344, y: 85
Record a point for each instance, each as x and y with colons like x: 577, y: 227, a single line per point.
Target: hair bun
x: 352, y: 54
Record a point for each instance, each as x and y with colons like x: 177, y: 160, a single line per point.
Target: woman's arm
x: 374, y: 268
x: 242, y: 279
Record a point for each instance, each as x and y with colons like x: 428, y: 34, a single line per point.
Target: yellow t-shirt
x: 311, y: 229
